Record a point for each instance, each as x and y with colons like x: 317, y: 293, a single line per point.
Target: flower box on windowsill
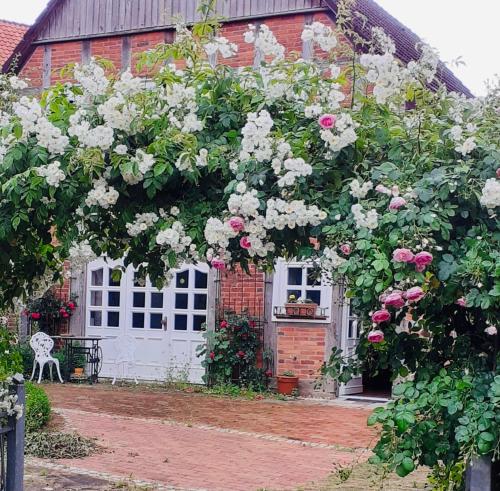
x: 300, y: 311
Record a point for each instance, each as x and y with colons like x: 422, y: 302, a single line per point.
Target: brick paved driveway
x: 193, y: 441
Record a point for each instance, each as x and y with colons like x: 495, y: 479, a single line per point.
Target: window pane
x: 139, y: 299
x: 200, y: 301
x: 115, y: 277
x: 180, y: 323
x: 198, y: 321
x: 113, y: 319
x: 155, y: 321
x: 181, y: 300
x: 312, y: 277
x: 95, y: 318
x: 138, y: 320
x: 200, y: 279
x: 95, y: 298
x: 295, y: 276
x: 314, y: 295
x: 156, y: 300
x: 182, y: 279
x: 296, y: 293
x: 113, y: 299
x: 97, y: 277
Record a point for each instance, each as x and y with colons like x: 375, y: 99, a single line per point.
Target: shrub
x: 37, y: 408
x: 10, y: 361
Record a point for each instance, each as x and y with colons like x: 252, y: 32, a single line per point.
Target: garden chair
x: 125, y: 357
x: 42, y: 345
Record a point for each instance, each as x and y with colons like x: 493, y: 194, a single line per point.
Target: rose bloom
x: 397, y: 203
x: 327, y: 121
x: 414, y: 294
x: 218, y: 264
x: 395, y: 300
x: 380, y: 188
x: 212, y: 355
x: 240, y: 354
x: 35, y: 315
x: 403, y: 256
x: 491, y: 330
x: 422, y: 260
x: 245, y: 243
x: 346, y: 249
x: 498, y: 173
x: 381, y: 316
x: 223, y: 324
x: 237, y: 224
x: 462, y: 302
x: 376, y: 336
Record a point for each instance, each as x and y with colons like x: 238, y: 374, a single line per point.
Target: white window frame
x: 280, y: 295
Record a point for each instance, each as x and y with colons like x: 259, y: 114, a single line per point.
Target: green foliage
x: 10, y: 359
x: 230, y: 354
x: 438, y: 421
x: 37, y: 408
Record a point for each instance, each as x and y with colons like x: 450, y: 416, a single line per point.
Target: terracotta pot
x: 79, y: 371
x: 302, y: 310
x: 286, y: 385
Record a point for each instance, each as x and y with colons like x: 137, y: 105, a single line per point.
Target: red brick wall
x: 63, y: 54
x: 33, y: 69
x: 301, y: 349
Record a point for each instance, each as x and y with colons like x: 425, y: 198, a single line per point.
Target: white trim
x: 281, y: 287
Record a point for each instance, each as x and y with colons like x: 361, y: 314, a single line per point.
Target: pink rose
x: 380, y: 188
x: 327, y: 121
x: 403, y: 256
x: 381, y: 316
x: 245, y: 243
x: 491, y: 330
x: 462, y: 302
x: 395, y: 190
x: 422, y: 260
x: 237, y: 224
x: 498, y: 173
x: 414, y: 294
x: 395, y: 300
x: 218, y: 264
x: 346, y: 249
x: 376, y: 336
x: 397, y: 203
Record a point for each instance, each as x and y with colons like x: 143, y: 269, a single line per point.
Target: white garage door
x: 156, y: 331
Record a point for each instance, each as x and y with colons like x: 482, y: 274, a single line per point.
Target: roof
x: 11, y: 34
x: 373, y: 16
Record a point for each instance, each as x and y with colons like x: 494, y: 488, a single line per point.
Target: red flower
x: 240, y: 354
x: 71, y: 306
x: 223, y: 324
x: 268, y: 373
x: 252, y: 323
x: 35, y: 316
x: 62, y: 311
x: 211, y: 355
x: 65, y: 314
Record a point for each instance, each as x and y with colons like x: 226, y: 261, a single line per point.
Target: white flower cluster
x: 142, y: 222
x: 180, y: 107
x: 382, y: 41
x: 202, y: 158
x: 343, y: 135
x: 92, y: 78
x: 281, y: 214
x: 463, y: 144
x: 425, y: 68
x: 490, y: 194
x: 52, y: 172
x: 32, y: 120
x: 218, y: 233
x: 256, y: 141
x: 144, y: 162
x: 331, y: 260
x: 128, y: 84
x: 320, y: 34
x: 220, y: 45
x: 264, y: 41
x: 175, y: 237
x: 385, y: 73
x: 360, y: 191
x: 117, y: 113
x: 80, y: 253
x: 367, y: 220
x: 101, y: 136
x: 295, y: 168
x: 9, y: 405
x: 17, y: 83
x: 245, y: 204
x: 102, y: 195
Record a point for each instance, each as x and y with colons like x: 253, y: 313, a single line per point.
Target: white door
x: 160, y: 329
x: 349, y: 342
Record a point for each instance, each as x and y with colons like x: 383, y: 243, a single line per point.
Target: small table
x: 87, y: 346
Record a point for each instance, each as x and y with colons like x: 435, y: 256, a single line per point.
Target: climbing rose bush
x: 398, y: 184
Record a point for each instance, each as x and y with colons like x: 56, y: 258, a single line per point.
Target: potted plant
x: 305, y: 309
x: 79, y: 362
x: 288, y: 382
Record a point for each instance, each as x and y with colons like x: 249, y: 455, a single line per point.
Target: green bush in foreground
x: 37, y: 408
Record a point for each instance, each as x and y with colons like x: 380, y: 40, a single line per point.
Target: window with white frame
x: 300, y: 280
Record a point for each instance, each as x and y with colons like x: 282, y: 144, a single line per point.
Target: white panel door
x: 155, y: 331
x: 349, y: 342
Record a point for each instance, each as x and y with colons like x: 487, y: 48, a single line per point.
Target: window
x: 301, y: 280
x: 104, y: 298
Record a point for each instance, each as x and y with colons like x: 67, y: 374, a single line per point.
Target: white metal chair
x: 42, y: 345
x: 125, y: 356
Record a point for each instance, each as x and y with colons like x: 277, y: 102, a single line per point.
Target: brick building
x: 165, y: 325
